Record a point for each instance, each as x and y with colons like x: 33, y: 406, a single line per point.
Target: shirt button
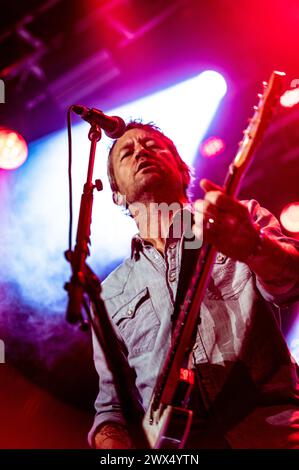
x: 130, y: 312
x: 172, y: 276
x: 220, y: 258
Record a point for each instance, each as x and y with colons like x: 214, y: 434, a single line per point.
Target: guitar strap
x: 188, y: 262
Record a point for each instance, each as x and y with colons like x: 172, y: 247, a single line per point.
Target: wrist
x: 257, y: 244
x: 112, y: 435
x: 273, y: 261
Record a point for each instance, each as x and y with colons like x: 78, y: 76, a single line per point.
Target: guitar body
x: 168, y: 426
x: 168, y: 429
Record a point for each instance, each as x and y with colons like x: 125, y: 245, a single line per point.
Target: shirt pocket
x: 228, y: 280
x: 138, y: 323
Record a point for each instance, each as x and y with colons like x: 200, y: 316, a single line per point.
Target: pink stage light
x: 13, y: 149
x: 212, y: 146
x: 290, y: 98
x: 289, y: 217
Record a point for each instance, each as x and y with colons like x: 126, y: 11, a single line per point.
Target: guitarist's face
x: 145, y: 169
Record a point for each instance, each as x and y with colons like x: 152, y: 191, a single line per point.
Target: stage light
x: 289, y: 217
x: 13, y: 149
x: 290, y: 98
x: 183, y: 111
x: 212, y: 146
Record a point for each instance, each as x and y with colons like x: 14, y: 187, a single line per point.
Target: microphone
x: 113, y: 126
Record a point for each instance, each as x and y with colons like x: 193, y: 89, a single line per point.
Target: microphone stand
x: 84, y: 281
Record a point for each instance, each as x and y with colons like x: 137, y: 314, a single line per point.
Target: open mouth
x: 145, y: 165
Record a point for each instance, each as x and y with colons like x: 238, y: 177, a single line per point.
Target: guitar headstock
x: 262, y: 114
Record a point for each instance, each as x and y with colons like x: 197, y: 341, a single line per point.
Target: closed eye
x: 153, y: 145
x: 124, y: 155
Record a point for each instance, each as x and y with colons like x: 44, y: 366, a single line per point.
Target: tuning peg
x: 255, y: 108
x: 99, y: 185
x: 259, y: 95
x: 265, y: 84
x: 68, y: 255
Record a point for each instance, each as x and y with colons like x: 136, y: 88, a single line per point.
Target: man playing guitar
x: 245, y: 392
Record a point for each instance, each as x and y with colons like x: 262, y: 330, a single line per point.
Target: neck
x: 153, y: 219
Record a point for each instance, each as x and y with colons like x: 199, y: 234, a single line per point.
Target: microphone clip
x: 113, y: 126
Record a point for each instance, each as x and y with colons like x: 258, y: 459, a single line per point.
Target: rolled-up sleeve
x: 280, y: 290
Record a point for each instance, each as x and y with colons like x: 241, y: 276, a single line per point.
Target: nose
x: 140, y: 151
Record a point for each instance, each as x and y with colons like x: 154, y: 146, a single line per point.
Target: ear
x: 118, y: 199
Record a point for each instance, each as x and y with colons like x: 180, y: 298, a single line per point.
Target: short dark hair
x: 150, y: 127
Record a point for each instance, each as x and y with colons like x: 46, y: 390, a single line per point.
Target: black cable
x: 69, y: 134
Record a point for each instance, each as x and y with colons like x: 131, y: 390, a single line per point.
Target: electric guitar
x: 168, y: 420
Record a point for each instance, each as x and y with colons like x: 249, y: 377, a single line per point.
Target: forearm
x: 275, y: 263
x: 112, y: 436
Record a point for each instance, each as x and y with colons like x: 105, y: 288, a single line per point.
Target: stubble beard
x: 156, y: 188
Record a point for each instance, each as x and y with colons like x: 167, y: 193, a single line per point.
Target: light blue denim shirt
x: 238, y: 327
